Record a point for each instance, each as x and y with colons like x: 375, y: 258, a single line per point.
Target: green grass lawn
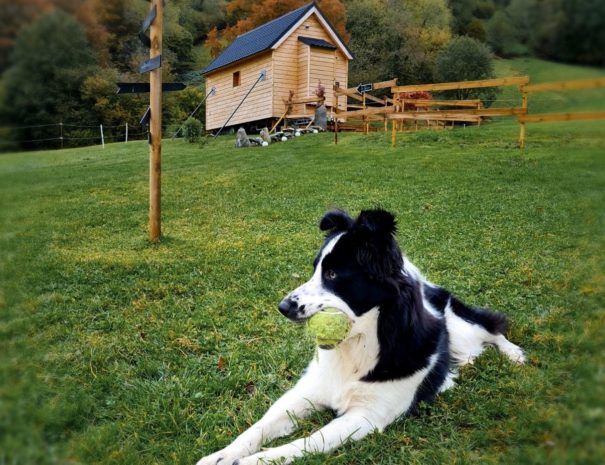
x: 117, y: 351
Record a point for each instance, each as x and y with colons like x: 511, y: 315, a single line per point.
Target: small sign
x: 145, y: 119
x: 151, y: 64
x: 150, y: 18
x: 143, y: 87
x: 363, y: 88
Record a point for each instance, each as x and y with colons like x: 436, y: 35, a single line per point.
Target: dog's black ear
x: 336, y: 221
x: 378, y: 252
x: 377, y: 221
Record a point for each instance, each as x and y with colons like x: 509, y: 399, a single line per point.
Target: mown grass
x: 115, y: 350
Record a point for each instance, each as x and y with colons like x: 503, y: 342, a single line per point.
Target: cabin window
x: 236, y: 79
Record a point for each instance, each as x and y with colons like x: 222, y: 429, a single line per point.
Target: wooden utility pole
x: 155, y: 126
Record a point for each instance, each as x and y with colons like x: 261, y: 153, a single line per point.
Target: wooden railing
x: 570, y: 116
x: 397, y: 108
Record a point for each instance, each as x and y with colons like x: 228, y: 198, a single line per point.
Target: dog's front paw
x: 219, y: 458
x: 274, y: 456
x: 212, y: 459
x: 227, y: 456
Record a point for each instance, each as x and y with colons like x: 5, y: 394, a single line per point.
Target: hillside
x: 116, y: 351
x: 545, y: 71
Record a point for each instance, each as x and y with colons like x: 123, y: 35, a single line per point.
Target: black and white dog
x: 408, y: 337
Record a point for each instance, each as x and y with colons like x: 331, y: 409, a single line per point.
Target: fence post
x: 61, y: 137
x: 126, y: 133
x: 522, y: 123
x: 102, y: 137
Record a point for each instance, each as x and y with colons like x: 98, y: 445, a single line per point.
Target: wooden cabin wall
x: 291, y: 72
x: 292, y: 66
x: 258, y: 105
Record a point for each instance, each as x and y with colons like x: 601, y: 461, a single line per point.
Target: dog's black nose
x: 288, y: 307
x: 285, y: 307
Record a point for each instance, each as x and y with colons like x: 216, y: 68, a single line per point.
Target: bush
x: 192, y: 129
x: 466, y: 59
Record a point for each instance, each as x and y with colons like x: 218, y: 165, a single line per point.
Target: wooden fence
x: 472, y: 115
x: 398, y: 109
x: 554, y: 86
x: 363, y: 112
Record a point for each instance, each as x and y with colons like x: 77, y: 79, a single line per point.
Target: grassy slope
x: 116, y: 351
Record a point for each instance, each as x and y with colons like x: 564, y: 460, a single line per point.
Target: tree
x: 365, y: 20
x: 502, y: 35
x: 396, y: 38
x: 16, y: 14
x: 50, y: 60
x: 581, y: 34
x: 469, y: 17
x: 466, y: 59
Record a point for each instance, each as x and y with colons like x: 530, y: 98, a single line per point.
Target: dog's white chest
x: 337, y: 373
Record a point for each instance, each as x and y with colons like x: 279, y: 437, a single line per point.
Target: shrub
x: 466, y: 59
x: 192, y: 129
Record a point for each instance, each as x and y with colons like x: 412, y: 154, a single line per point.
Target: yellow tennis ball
x: 329, y: 327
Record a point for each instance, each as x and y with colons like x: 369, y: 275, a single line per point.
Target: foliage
x: 571, y: 31
x: 320, y: 91
x: 50, y: 61
x: 192, y: 129
x: 466, y: 59
x: 417, y: 95
x: 20, y: 13
x: 106, y: 106
x: 365, y: 23
x: 580, y: 37
x: 396, y: 38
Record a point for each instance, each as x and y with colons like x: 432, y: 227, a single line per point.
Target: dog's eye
x: 330, y: 274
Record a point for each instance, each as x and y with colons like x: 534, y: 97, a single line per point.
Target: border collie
x: 408, y: 337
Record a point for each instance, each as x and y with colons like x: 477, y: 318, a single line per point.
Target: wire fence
x: 69, y: 135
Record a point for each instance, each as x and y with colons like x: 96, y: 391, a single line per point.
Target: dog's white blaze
x: 314, y: 296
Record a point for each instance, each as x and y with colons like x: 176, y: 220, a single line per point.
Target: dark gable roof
x: 263, y: 38
x: 316, y: 42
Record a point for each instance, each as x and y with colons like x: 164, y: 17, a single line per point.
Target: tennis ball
x: 329, y: 327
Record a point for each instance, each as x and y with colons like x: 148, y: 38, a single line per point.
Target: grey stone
x: 264, y: 134
x: 321, y: 117
x: 241, y: 138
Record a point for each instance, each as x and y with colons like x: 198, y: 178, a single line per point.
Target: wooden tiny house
x: 298, y: 51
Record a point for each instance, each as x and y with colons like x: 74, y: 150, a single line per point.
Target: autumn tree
x: 16, y: 14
